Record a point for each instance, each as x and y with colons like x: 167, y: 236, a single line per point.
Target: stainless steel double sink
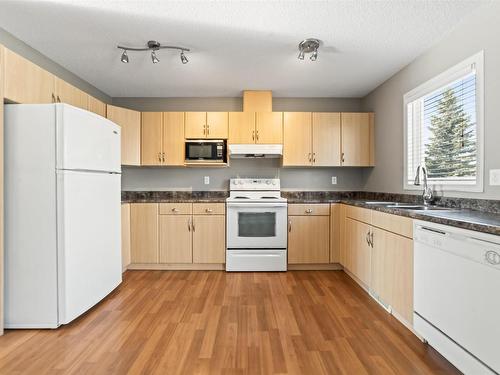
x: 407, y: 206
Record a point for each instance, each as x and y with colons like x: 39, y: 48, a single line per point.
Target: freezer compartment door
x: 86, y: 141
x: 89, y: 240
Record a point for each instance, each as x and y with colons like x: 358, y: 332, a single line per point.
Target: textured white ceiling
x: 235, y: 45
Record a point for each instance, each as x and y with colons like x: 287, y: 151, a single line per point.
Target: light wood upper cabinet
x: 175, y: 239
x: 130, y: 122
x: 209, y: 239
x: 144, y: 232
x: 96, y: 106
x: 69, y: 94
x: 326, y: 139
x: 358, y: 139
x: 26, y: 82
x: 269, y: 127
x: 173, y: 138
x: 297, y: 138
x: 217, y: 125
x: 241, y: 127
x: 206, y: 125
x: 195, y: 125
x: 251, y: 127
x: 151, y: 138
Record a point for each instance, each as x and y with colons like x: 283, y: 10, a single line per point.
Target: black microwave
x: 206, y: 151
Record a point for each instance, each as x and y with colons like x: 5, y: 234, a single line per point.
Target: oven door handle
x: 257, y: 205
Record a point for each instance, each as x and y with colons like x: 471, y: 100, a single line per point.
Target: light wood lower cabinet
x: 377, y: 248
x: 209, y: 239
x: 144, y: 233
x: 125, y: 235
x: 308, y: 235
x: 176, y: 241
x: 358, y: 257
x: 178, y: 233
x: 392, y: 272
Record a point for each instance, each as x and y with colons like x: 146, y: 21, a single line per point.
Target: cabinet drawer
x: 209, y: 208
x: 360, y: 214
x: 393, y: 223
x: 309, y: 209
x: 176, y: 208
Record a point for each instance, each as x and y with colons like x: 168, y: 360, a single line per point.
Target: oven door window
x: 257, y: 224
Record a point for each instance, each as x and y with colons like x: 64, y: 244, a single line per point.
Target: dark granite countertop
x: 474, y: 214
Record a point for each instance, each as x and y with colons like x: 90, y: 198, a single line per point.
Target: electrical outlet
x: 206, y: 180
x: 494, y: 177
x: 334, y: 180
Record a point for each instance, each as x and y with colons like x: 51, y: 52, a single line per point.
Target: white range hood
x: 255, y: 151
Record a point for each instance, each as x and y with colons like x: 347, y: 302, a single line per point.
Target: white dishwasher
x: 457, y: 295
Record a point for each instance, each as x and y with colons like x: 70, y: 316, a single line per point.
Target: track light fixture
x: 153, y: 46
x: 311, y: 46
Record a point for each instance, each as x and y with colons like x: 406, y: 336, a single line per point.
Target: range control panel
x: 254, y: 184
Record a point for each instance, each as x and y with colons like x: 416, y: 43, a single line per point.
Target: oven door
x: 256, y: 225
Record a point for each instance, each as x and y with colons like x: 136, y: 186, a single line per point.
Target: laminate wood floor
x: 212, y: 322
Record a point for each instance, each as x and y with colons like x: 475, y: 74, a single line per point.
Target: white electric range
x: 256, y: 225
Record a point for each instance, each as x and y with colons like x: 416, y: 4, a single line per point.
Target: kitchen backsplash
x: 172, y: 178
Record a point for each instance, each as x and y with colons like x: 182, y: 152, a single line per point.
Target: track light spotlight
x: 314, y: 55
x: 154, y: 59
x: 184, y: 59
x: 301, y: 55
x: 124, y: 57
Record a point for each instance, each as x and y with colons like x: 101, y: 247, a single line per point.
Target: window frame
x: 441, y: 80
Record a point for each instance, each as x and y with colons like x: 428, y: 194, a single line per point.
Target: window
x: 444, y: 129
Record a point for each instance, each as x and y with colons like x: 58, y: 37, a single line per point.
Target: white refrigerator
x: 62, y: 213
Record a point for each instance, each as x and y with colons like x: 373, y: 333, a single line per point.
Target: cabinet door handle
x: 163, y: 157
x: 192, y: 224
x: 309, y: 211
x: 289, y: 225
x: 342, y: 157
x: 208, y: 129
x: 175, y: 209
x: 189, y: 224
x: 159, y: 156
x: 58, y: 99
x: 367, y: 238
x: 309, y: 156
x: 253, y: 135
x: 257, y: 135
x: 209, y: 210
x: 371, y: 238
x: 53, y: 98
x: 204, y: 129
x: 314, y: 157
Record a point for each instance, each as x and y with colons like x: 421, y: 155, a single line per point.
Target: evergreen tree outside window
x: 444, y: 129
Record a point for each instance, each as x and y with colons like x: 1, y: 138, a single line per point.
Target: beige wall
x: 480, y: 32
x: 236, y: 104
x: 21, y: 48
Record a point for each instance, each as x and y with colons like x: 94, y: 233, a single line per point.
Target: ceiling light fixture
x: 124, y: 57
x: 153, y: 46
x: 311, y: 46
